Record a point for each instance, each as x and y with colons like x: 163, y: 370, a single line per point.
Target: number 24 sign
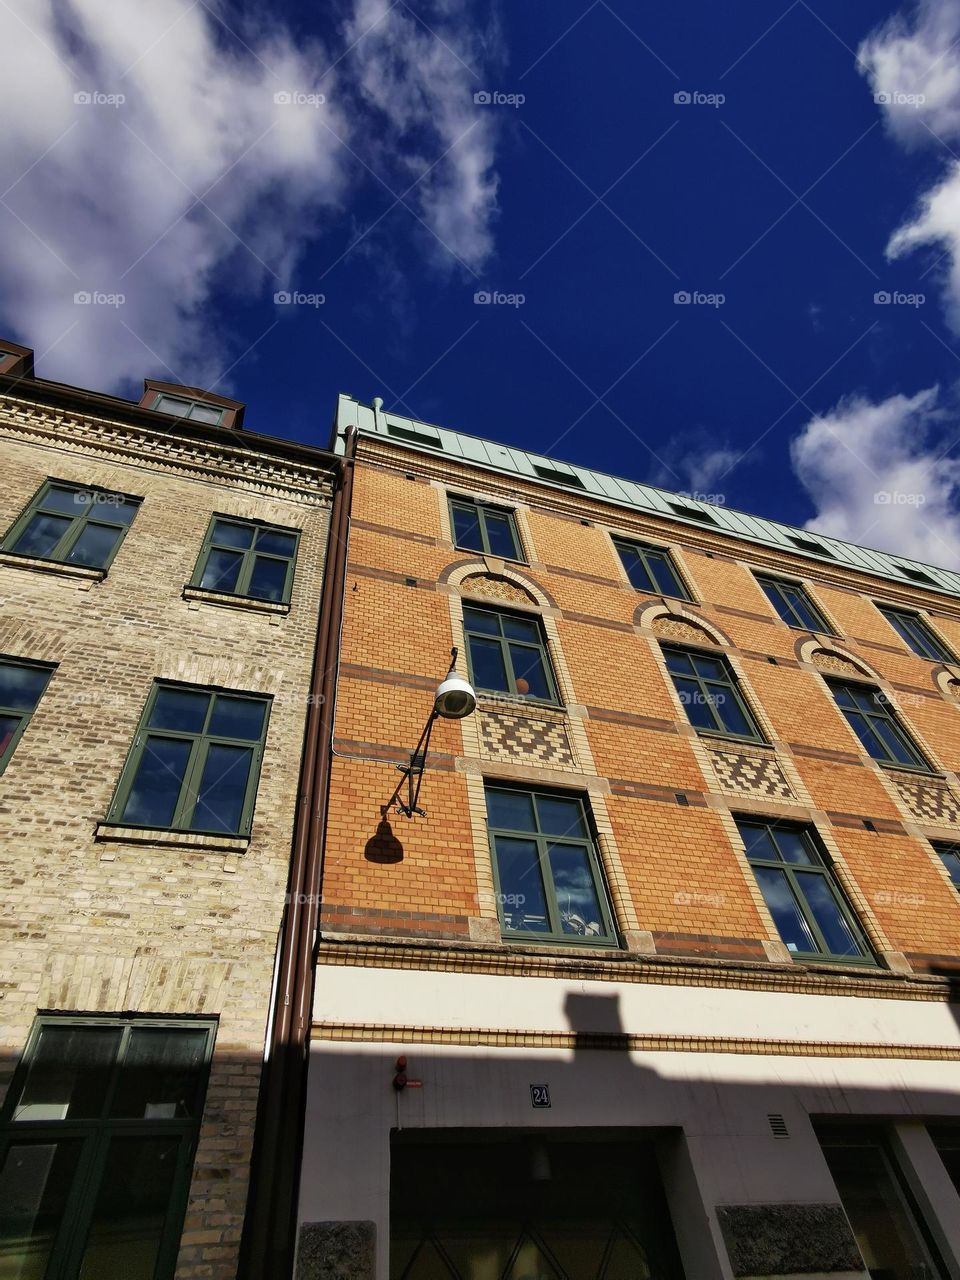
x: 540, y: 1095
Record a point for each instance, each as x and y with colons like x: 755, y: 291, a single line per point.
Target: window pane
x: 162, y: 1074
x: 276, y: 543
x: 227, y: 534
x: 130, y: 1209
x: 95, y: 545
x: 268, y: 579
x: 183, y: 710
x: 758, y: 842
x: 521, y: 885
x: 510, y: 810
x: 529, y: 672
x: 951, y: 860
x: 21, y: 687
x: 695, y: 703
x: 665, y: 577
x: 793, y: 846
x: 772, y: 593
x: 466, y: 528
x: 69, y: 1073
x: 223, y: 787
x: 237, y: 718
x: 122, y: 511
x: 480, y: 620
x: 520, y: 629
x: 678, y: 662
x: 787, y: 915
x: 826, y: 911
x: 843, y: 696
x: 41, y: 535
x: 574, y: 890
x: 560, y: 817
x: 896, y: 742
x: 170, y: 404
x: 731, y: 713
x: 153, y: 797
x: 486, y: 660
x: 8, y: 727
x: 636, y: 569
x: 500, y: 536
x: 68, y: 502
x: 710, y: 668
x: 35, y: 1181
x: 861, y: 727
x: 205, y: 413
x: 222, y: 570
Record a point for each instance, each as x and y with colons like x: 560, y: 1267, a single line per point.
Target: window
x: 650, y: 569
x: 195, y: 410
x: 490, y: 530
x: 691, y: 513
x: 73, y: 525
x: 507, y: 653
x: 708, y: 690
x: 194, y: 763
x: 546, y: 868
x: 793, y: 604
x: 245, y: 558
x: 416, y: 435
x: 808, y: 545
x: 949, y: 855
x: 97, y: 1147
x: 889, y: 1230
x: 916, y: 634
x: 799, y: 889
x: 556, y: 476
x: 869, y: 716
x: 21, y: 688
x: 916, y: 575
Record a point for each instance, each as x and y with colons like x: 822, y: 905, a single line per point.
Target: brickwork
x: 666, y: 796
x: 135, y: 925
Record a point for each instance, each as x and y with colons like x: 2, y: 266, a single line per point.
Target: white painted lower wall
x: 720, y: 1101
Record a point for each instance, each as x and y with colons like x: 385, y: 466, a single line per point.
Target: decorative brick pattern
x: 928, y: 800
x: 493, y: 588
x: 824, y: 660
x: 668, y: 627
x: 525, y: 739
x: 743, y: 773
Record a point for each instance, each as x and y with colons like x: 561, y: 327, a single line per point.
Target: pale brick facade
x: 102, y: 921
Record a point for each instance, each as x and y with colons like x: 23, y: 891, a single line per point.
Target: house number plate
x: 540, y: 1095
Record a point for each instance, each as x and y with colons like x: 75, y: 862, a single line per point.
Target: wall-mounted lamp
x: 455, y: 698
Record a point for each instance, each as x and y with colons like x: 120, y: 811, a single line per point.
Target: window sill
x: 713, y: 735
x: 914, y: 770
x: 513, y: 702
x: 489, y: 555
x: 226, y: 601
x: 77, y: 572
x: 162, y: 836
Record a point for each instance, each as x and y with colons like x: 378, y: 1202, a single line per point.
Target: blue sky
x: 811, y: 169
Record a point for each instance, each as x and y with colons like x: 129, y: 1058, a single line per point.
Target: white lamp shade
x: 455, y: 698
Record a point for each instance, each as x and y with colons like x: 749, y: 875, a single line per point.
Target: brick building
x: 673, y: 955
x: 160, y: 583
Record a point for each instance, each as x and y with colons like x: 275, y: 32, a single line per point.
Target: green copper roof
x: 639, y: 497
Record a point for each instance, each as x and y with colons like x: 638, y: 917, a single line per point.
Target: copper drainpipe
x: 269, y: 1232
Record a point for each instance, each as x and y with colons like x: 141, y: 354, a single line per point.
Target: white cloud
x: 877, y: 475
x: 692, y: 461
x: 104, y: 198
x: 914, y: 71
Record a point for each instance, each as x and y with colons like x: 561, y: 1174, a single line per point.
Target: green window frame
x: 880, y: 732
x: 708, y: 689
x: 917, y: 634
x: 490, y: 530
x: 949, y: 854
x: 97, y: 1142
x: 650, y: 569
x: 507, y: 654
x: 801, y: 891
x: 72, y: 524
x: 247, y: 558
x: 192, y: 410
x: 546, y: 868
x: 194, y: 764
x: 794, y: 604
x: 22, y: 685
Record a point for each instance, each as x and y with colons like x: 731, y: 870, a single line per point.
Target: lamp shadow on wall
x: 383, y: 846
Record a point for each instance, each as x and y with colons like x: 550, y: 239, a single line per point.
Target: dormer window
x: 195, y: 410
x: 192, y: 404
